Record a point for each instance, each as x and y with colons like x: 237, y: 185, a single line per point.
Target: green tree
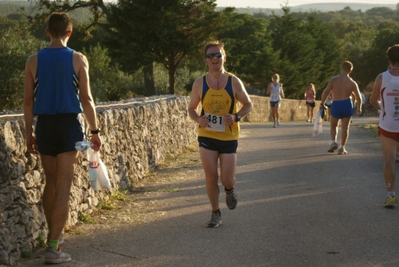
x: 307, y: 52
x: 251, y: 55
x: 145, y: 31
x: 375, y: 60
x: 16, y: 45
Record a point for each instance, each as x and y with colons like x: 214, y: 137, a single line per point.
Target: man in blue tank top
x: 57, y: 90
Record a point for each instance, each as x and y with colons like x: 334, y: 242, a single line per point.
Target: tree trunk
x: 149, y: 84
x: 172, y: 72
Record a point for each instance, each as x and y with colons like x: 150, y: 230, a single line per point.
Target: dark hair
x: 393, y: 54
x: 58, y: 24
x: 215, y: 43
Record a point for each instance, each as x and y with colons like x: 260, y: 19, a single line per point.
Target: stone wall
x: 290, y: 110
x: 137, y: 135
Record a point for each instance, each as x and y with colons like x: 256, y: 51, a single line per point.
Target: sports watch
x: 238, y: 117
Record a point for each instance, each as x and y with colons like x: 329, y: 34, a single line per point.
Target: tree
x: 145, y: 31
x: 305, y: 48
x: 375, y: 60
x: 16, y: 45
x: 251, y: 55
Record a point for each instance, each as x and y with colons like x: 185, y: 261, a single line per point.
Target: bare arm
x: 81, y: 66
x: 326, y: 92
x: 242, y: 97
x: 30, y: 73
x: 281, y: 90
x: 356, y: 92
x: 376, y: 92
x: 195, y: 100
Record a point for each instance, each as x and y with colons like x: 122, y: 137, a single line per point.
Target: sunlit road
x: 299, y: 206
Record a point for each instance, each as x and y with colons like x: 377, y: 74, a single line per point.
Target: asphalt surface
x: 298, y: 206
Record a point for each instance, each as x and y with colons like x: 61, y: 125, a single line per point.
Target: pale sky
x: 291, y: 3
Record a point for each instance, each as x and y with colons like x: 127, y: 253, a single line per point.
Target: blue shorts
x: 57, y: 134
x: 342, y: 109
x: 274, y: 103
x: 223, y: 147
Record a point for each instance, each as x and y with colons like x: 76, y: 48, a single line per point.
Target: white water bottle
x: 83, y: 145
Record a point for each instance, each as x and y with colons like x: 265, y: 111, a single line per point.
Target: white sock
x: 391, y: 194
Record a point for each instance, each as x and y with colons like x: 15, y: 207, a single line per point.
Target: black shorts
x: 223, y: 147
x: 312, y: 105
x: 57, y: 134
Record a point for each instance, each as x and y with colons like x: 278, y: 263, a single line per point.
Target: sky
x: 291, y: 3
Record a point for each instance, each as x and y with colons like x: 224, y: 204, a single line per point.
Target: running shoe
x: 390, y: 202
x: 307, y: 120
x: 333, y: 147
x: 55, y: 257
x: 215, y: 221
x: 231, y: 200
x: 274, y: 125
x: 342, y: 151
x: 278, y: 122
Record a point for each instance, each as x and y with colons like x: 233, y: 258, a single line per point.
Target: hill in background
x: 12, y: 6
x: 322, y: 7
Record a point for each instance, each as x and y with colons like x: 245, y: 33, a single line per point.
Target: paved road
x: 299, y: 206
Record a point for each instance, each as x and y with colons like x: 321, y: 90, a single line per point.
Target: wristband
x: 95, y: 131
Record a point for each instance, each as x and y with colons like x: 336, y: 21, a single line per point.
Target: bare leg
x: 277, y: 114
x: 345, y: 130
x: 333, y: 128
x: 274, y: 113
x: 311, y: 113
x: 228, y: 169
x: 59, y: 172
x: 389, y: 153
x: 209, y: 160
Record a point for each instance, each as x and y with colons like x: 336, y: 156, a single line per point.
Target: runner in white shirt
x: 275, y: 89
x: 385, y: 97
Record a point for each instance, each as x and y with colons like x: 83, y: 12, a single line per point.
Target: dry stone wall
x: 137, y: 135
x: 290, y: 110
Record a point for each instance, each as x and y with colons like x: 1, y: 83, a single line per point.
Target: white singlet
x: 389, y: 96
x: 275, y: 92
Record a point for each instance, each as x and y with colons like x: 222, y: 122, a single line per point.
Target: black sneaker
x: 231, y: 200
x: 215, y: 221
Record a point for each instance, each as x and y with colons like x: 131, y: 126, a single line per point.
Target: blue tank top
x: 56, y: 85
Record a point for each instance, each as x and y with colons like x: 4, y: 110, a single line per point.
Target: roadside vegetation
x: 142, y: 48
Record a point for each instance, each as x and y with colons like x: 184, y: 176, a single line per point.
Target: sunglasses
x: 212, y: 55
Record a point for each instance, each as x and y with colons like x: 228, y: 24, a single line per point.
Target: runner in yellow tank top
x: 216, y: 104
x: 218, y: 130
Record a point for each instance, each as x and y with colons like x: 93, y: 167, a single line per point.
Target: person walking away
x: 275, y: 90
x: 57, y: 90
x: 310, y: 96
x: 384, y: 98
x: 218, y: 92
x: 342, y: 87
